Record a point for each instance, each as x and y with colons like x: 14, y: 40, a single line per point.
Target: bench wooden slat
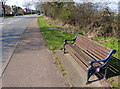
x: 106, y: 48
x: 96, y: 56
x: 79, y: 58
x: 80, y: 54
x: 92, y: 50
x: 85, y: 56
x: 88, y: 52
x: 89, y: 57
x: 75, y: 57
x: 97, y: 46
x: 92, y: 47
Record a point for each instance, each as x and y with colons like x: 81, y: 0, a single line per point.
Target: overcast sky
x: 113, y: 4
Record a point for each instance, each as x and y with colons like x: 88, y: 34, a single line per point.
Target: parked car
x: 38, y: 13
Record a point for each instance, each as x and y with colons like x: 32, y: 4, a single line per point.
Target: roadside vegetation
x: 63, y: 20
x: 7, y: 16
x: 53, y: 36
x: 92, y: 19
x: 110, y: 42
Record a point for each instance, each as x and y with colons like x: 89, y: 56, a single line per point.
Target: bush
x: 89, y: 16
x: 9, y: 14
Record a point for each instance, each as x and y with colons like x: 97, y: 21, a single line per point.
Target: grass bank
x: 110, y: 42
x: 54, y: 39
x: 53, y: 36
x: 7, y: 17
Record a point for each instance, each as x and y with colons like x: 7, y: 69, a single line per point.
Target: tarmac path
x: 11, y: 31
x: 32, y: 64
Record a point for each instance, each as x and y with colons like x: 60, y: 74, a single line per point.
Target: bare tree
x: 37, y: 6
x: 27, y: 5
x: 3, y: 6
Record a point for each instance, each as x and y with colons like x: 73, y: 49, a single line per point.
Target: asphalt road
x: 32, y: 64
x: 11, y: 29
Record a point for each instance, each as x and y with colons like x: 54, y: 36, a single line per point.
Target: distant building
x: 16, y: 10
x: 29, y: 11
x: 8, y: 9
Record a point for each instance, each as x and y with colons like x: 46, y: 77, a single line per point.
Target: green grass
x: 7, y: 17
x: 54, y: 38
x: 110, y: 42
x: 59, y: 64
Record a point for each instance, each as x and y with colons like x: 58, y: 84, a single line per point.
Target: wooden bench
x: 92, y: 56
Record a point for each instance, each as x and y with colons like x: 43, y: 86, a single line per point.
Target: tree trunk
x: 3, y: 6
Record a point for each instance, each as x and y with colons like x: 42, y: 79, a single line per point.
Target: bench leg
x: 105, y: 74
x: 90, y: 72
x: 64, y: 48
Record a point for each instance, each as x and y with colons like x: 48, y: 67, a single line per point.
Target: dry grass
x: 61, y: 25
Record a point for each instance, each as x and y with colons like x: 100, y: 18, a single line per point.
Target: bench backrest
x: 91, y: 48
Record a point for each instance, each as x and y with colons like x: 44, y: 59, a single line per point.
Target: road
x: 32, y: 64
x: 11, y: 29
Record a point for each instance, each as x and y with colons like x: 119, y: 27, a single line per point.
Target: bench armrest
x: 68, y: 40
x: 95, y: 61
x: 65, y: 40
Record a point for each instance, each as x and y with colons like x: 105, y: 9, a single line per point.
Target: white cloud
x: 113, y: 3
x: 97, y: 1
x: 15, y: 2
x: 18, y: 2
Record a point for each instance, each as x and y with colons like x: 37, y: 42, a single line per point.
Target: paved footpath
x: 32, y: 64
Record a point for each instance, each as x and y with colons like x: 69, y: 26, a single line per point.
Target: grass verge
x: 57, y: 61
x: 7, y: 17
x: 110, y: 42
x: 54, y: 39
x: 53, y: 36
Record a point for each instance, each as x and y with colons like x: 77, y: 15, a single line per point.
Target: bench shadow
x: 115, y: 68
